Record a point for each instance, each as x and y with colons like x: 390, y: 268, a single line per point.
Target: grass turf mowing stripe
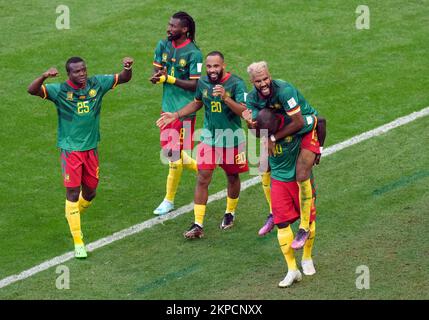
x: 217, y: 196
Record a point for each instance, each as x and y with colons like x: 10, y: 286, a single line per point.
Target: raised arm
x: 35, y: 88
x: 127, y: 73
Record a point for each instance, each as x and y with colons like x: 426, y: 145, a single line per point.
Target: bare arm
x: 35, y: 88
x: 296, y: 124
x: 168, y: 117
x: 127, y: 73
x: 236, y: 107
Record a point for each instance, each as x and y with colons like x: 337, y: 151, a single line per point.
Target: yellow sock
x: 231, y: 205
x: 308, y: 247
x: 266, y: 185
x: 83, y: 204
x: 188, y: 162
x: 73, y: 218
x: 285, y: 238
x: 199, y: 213
x: 173, y: 179
x: 305, y: 198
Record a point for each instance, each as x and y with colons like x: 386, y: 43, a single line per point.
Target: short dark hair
x: 267, y: 119
x: 186, y: 21
x: 216, y: 53
x: 72, y: 60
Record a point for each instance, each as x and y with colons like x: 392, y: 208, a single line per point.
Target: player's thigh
x: 71, y: 168
x: 283, y: 202
x: 91, y: 169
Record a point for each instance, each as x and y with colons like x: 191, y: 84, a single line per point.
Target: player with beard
x: 286, y: 100
x: 177, y: 65
x: 222, y: 95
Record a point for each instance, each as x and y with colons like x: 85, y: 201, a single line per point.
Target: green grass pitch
x: 373, y: 197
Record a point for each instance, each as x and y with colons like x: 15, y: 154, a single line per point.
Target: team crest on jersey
x: 288, y: 139
x: 92, y: 93
x: 164, y: 57
x: 69, y: 95
x: 205, y: 93
x: 182, y: 62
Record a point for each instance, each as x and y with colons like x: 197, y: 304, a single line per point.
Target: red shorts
x: 311, y: 142
x: 80, y: 167
x: 177, y: 136
x: 285, y: 201
x: 231, y: 160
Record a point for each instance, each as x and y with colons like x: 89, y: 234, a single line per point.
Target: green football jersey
x: 283, y: 162
x: 182, y: 62
x: 222, y: 127
x: 284, y: 99
x: 79, y: 111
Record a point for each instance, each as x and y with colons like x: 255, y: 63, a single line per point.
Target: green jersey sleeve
x: 251, y: 105
x: 157, y: 59
x: 107, y: 82
x: 52, y: 90
x: 195, y: 64
x: 289, y: 100
x: 240, y: 92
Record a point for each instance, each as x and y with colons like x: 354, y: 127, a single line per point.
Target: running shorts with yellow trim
x: 285, y: 201
x: 80, y: 167
x: 232, y: 160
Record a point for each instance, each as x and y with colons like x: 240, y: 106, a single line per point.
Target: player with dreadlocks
x: 178, y: 63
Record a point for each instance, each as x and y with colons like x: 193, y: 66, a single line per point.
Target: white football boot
x: 164, y: 208
x: 291, y: 277
x: 308, y: 267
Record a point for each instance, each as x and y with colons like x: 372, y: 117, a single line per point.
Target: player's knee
x: 233, y: 178
x: 204, y: 180
x: 89, y: 195
x: 72, y: 194
x: 302, y: 175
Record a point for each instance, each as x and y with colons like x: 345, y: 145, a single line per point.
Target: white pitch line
x: 217, y: 196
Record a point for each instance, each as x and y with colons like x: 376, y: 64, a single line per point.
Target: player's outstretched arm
x: 168, y: 117
x: 35, y: 88
x: 127, y: 73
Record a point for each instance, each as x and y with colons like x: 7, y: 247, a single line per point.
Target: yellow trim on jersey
x: 116, y: 80
x: 45, y: 94
x: 157, y: 64
x: 194, y: 77
x: 294, y: 111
